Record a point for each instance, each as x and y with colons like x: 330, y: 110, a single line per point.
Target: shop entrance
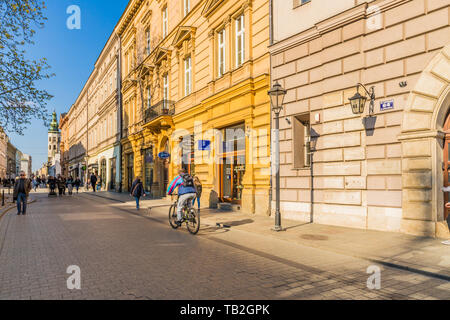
x: 232, y: 166
x: 112, y: 165
x: 446, y: 164
x: 232, y: 172
x: 130, y: 170
x: 103, y: 174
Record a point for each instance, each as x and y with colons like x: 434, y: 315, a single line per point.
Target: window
x: 166, y: 87
x: 187, y: 76
x: 301, y: 141
x: 298, y: 3
x: 187, y: 7
x: 147, y: 38
x: 149, y: 97
x: 240, y: 40
x: 221, y: 52
x: 164, y: 20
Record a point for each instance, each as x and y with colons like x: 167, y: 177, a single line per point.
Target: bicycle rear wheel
x: 193, y: 221
x: 173, y: 217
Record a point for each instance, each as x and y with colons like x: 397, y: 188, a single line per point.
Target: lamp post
x: 277, y: 94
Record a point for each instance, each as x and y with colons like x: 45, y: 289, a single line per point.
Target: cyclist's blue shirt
x: 178, y: 182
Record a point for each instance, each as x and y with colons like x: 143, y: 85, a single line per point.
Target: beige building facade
x: 379, y: 171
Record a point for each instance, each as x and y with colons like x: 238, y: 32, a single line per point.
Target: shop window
x: 148, y: 169
x: 301, y: 145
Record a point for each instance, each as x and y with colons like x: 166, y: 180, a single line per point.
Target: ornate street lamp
x: 277, y: 94
x: 358, y: 102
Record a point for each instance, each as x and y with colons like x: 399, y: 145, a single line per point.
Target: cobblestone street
x: 124, y: 255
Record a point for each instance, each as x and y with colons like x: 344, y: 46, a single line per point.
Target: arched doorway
x: 425, y: 151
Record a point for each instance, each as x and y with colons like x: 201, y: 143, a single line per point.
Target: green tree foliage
x: 20, y: 99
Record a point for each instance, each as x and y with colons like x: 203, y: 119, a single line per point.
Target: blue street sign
x: 164, y: 155
x: 387, y: 105
x: 204, y: 145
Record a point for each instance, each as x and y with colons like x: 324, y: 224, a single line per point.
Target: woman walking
x: 70, y: 183
x: 199, y: 189
x: 77, y: 183
x: 137, y: 191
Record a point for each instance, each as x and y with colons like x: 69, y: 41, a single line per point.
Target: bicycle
x: 190, y: 216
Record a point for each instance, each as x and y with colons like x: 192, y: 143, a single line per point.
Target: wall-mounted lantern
x: 358, y: 102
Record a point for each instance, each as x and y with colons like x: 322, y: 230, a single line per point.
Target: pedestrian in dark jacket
x: 77, y: 183
x: 52, y: 185
x: 61, y: 185
x: 93, y: 181
x: 137, y: 191
x: 22, y: 188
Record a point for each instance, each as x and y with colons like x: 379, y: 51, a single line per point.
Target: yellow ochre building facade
x: 195, y: 77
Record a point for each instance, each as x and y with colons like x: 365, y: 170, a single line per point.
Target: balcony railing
x: 162, y: 108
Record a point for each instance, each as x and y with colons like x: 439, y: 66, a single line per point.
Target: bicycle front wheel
x: 173, y: 217
x: 193, y: 221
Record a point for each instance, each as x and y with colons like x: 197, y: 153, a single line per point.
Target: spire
x: 54, y: 123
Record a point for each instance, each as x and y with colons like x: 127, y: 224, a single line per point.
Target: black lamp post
x: 358, y: 102
x: 277, y: 94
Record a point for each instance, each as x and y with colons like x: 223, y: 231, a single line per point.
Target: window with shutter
x: 301, y: 147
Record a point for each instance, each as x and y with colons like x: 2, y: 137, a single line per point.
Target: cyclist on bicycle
x: 186, y: 191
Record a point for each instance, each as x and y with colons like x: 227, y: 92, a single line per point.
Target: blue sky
x: 71, y: 54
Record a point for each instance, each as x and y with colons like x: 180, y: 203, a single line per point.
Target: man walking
x: 93, y: 181
x: 22, y: 188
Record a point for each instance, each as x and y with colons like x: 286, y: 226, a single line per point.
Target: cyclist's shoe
x: 179, y: 223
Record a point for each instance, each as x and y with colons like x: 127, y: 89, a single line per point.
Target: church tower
x: 54, y: 139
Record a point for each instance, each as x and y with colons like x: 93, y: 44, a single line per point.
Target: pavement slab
x: 125, y: 254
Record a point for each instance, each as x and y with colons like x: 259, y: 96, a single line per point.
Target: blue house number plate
x: 387, y: 105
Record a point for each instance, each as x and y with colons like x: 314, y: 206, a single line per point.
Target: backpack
x: 188, y: 181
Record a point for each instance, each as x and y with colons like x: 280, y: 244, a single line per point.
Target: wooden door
x: 446, y: 163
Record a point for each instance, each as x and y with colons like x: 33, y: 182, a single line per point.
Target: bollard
x: 3, y: 198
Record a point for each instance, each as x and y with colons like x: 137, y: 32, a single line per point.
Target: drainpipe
x: 119, y: 97
x: 270, y: 84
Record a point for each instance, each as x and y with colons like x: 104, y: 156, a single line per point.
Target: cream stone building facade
x: 383, y: 172
x: 102, y: 125
x: 93, y: 144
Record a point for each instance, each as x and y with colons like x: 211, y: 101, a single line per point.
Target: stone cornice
x: 420, y: 135
x: 354, y: 14
x: 128, y: 16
